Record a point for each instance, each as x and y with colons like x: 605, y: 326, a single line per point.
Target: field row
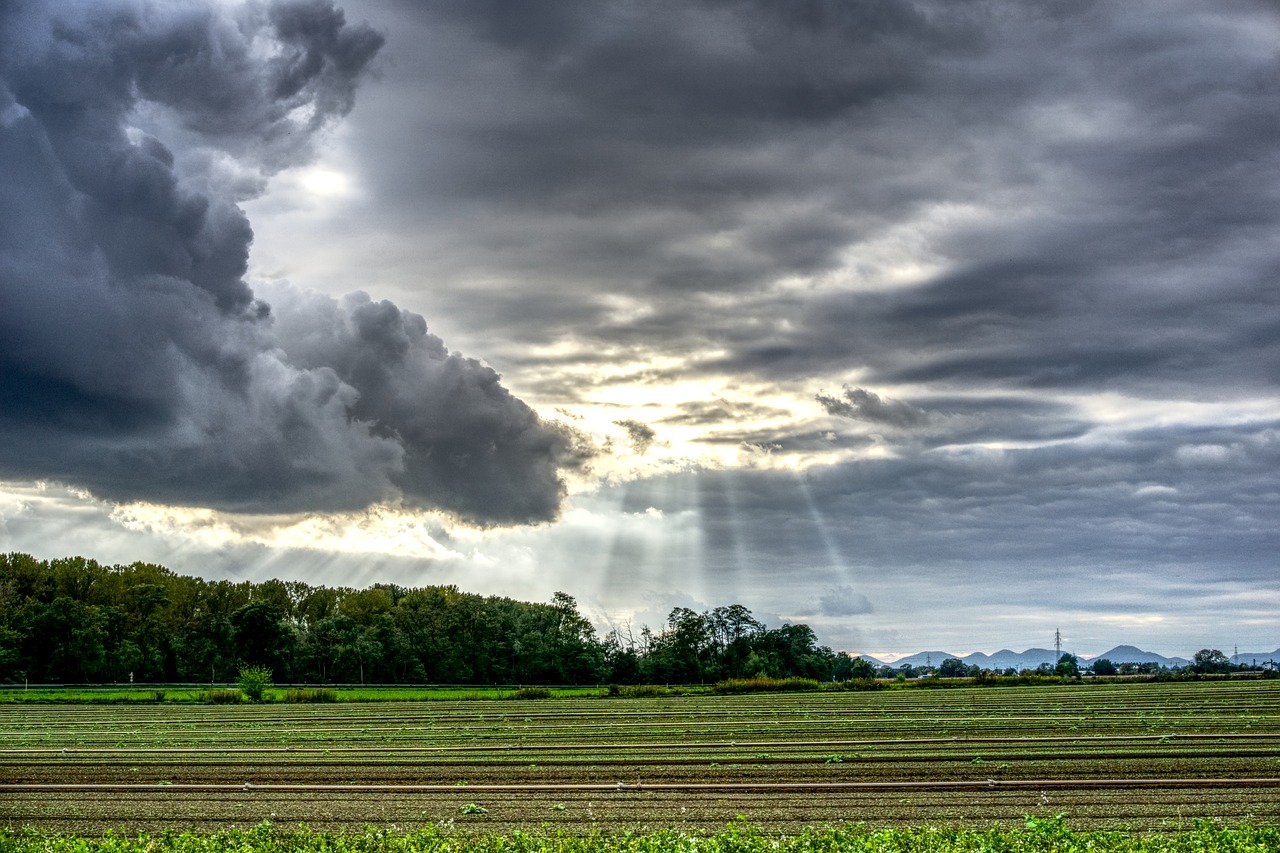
x: 577, y: 812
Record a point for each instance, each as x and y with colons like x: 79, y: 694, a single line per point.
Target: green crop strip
x: 1039, y: 834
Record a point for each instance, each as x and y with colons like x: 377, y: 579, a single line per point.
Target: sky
x: 930, y: 324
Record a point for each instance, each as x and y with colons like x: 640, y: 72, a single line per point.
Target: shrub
x: 530, y: 693
x: 645, y: 691
x: 220, y: 697
x: 254, y: 681
x: 310, y: 694
x: 764, y: 685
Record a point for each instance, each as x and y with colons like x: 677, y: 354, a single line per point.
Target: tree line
x: 76, y: 620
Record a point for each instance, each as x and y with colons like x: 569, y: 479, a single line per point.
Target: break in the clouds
x: 135, y: 359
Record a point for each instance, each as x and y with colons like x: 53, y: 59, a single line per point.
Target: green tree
x: 71, y: 640
x: 262, y: 637
x: 861, y: 668
x: 1068, y: 666
x: 1210, y: 660
x: 952, y: 668
x: 1102, y: 666
x: 622, y: 662
x: 205, y: 646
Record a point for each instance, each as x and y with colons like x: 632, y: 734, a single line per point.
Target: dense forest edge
x: 76, y: 621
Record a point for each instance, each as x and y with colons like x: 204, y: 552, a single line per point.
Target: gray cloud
x: 950, y: 420
x: 707, y: 412
x: 136, y: 361
x: 843, y: 600
x: 639, y: 435
x: 1026, y: 229
x: 1094, y: 184
x: 863, y: 405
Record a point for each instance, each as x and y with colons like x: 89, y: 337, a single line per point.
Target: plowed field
x: 1134, y: 755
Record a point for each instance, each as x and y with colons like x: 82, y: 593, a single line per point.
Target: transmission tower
x: 1057, y: 645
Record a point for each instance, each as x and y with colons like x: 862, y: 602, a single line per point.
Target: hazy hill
x: 1256, y: 657
x: 1133, y: 654
x: 1032, y: 658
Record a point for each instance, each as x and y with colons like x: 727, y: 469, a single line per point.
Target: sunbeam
x: 835, y: 558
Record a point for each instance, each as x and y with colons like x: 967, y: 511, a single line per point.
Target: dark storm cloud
x: 1061, y: 325
x: 1095, y: 185
x: 468, y: 444
x: 134, y: 358
x: 584, y: 145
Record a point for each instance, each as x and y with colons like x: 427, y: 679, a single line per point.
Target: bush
x: 530, y: 693
x: 254, y: 681
x: 220, y: 697
x: 764, y: 685
x: 310, y: 694
x: 646, y: 691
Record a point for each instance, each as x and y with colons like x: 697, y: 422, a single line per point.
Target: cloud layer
x: 909, y: 193
x: 955, y: 316
x: 136, y: 361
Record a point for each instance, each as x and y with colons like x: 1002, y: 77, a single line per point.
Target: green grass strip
x: 1040, y: 834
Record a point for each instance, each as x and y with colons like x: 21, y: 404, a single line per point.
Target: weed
x: 310, y: 695
x: 764, y: 685
x: 219, y: 696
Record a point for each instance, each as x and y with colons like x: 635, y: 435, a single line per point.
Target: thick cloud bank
x: 135, y: 360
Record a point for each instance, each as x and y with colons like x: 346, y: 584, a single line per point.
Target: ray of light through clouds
x: 930, y: 324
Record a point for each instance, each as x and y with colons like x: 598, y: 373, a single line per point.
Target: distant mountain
x: 922, y: 659
x: 1133, y: 654
x: 1032, y: 658
x: 870, y: 659
x: 1005, y: 658
x: 1255, y: 657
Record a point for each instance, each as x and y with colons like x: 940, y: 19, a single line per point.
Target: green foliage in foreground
x: 1040, y: 834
